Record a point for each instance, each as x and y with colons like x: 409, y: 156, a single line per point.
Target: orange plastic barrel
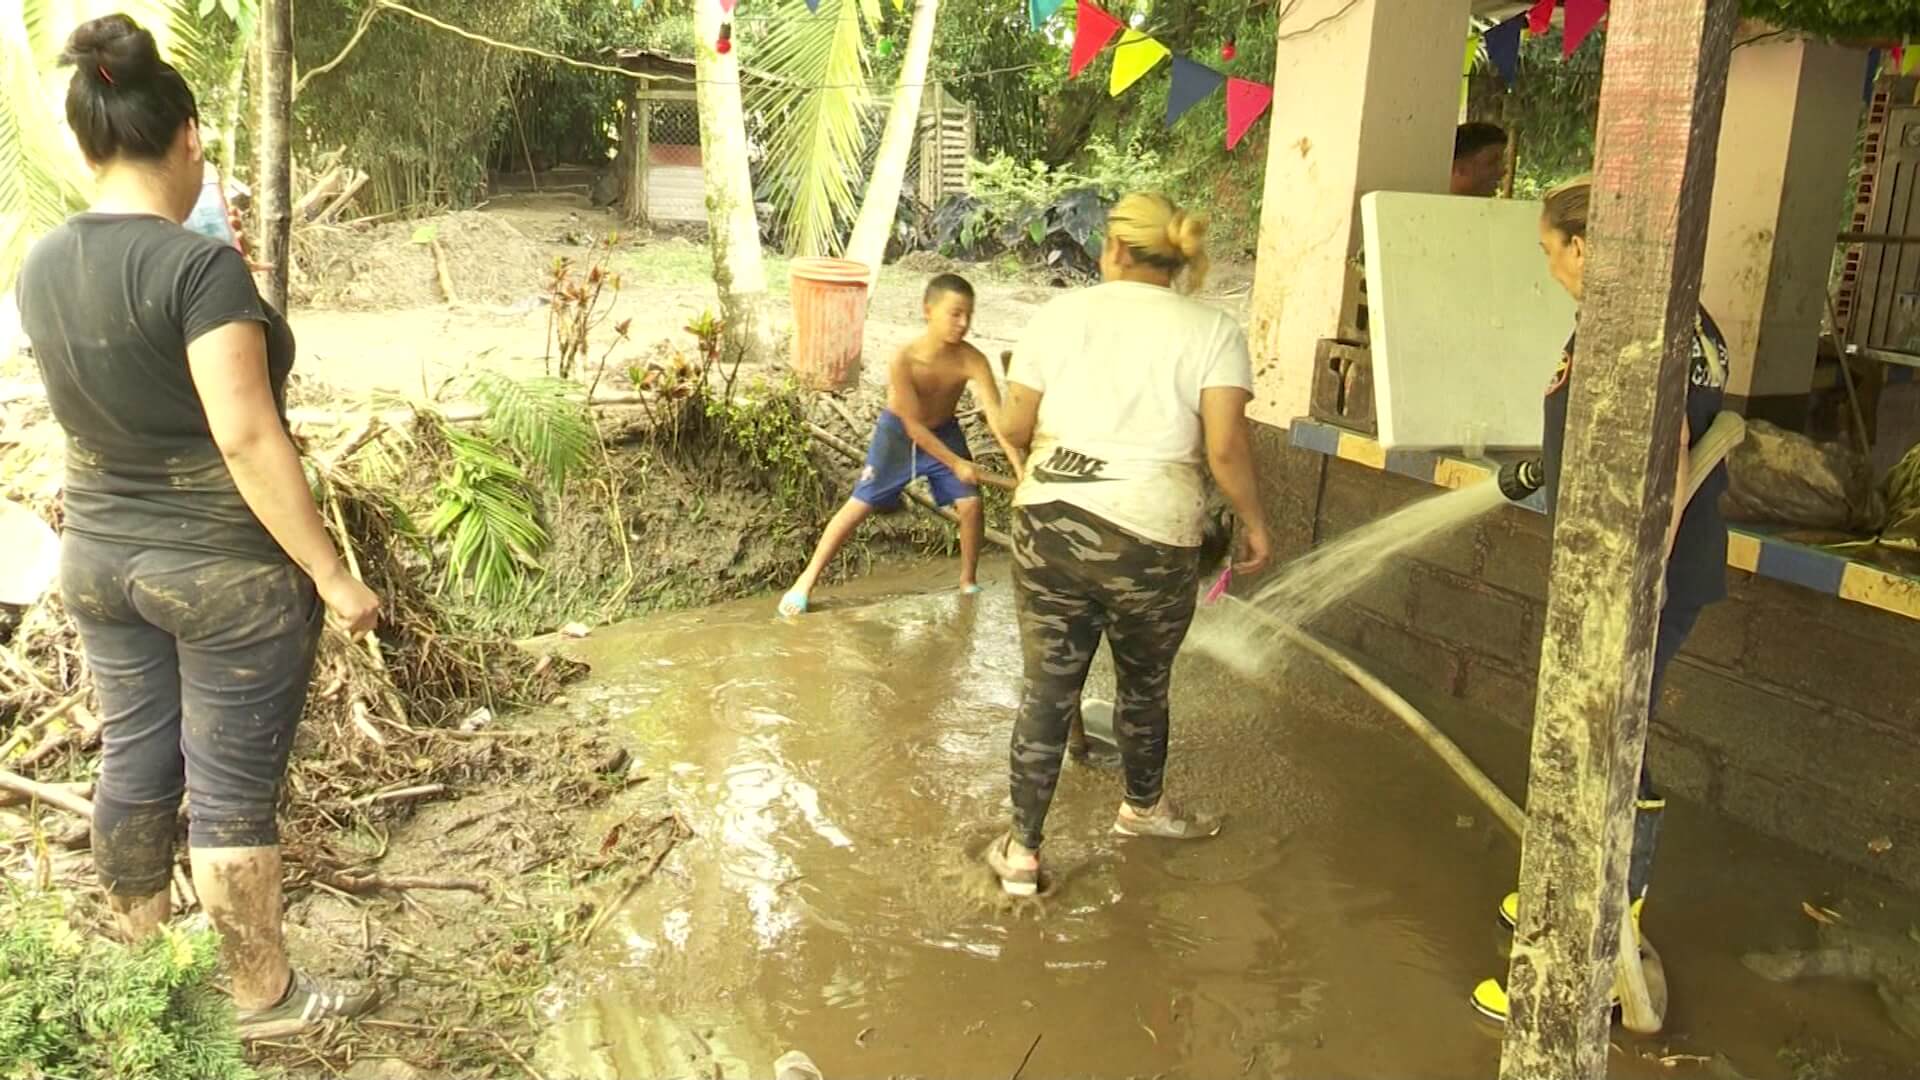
x: 829, y: 321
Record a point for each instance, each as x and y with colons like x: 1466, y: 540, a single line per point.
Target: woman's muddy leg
x: 136, y: 676
x: 1059, y: 630
x: 244, y: 686
x: 240, y: 888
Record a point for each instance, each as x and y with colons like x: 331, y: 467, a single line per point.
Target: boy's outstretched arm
x: 904, y: 400
x: 987, y: 392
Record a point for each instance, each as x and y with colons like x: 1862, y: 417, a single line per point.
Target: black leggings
x: 201, y: 663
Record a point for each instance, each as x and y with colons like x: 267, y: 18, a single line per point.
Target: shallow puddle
x: 840, y: 770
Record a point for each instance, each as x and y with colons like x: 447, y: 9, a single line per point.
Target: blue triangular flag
x: 1039, y: 11
x: 1873, y: 70
x: 1503, y: 48
x: 813, y: 6
x: 1193, y: 82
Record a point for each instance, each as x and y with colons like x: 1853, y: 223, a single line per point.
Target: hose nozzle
x: 1520, y: 479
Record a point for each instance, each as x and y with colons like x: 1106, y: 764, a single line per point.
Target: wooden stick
x: 77, y: 790
x: 423, y: 791
x: 441, y: 269
x: 53, y: 796
x: 362, y: 884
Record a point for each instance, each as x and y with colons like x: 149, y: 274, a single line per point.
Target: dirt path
x: 373, y: 320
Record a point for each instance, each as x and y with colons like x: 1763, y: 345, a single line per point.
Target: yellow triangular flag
x: 1909, y: 58
x: 1133, y: 57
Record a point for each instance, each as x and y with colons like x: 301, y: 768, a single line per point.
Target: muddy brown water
x: 840, y: 770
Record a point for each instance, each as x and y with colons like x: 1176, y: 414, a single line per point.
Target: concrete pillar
x: 1793, y: 108
x: 1365, y: 98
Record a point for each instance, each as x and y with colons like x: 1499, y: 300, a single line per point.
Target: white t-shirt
x: 1120, y: 367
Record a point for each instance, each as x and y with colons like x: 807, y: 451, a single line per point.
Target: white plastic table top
x: 1466, y: 325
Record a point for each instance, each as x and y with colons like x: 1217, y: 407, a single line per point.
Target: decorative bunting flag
x: 1540, y: 18
x: 1193, y: 83
x: 1581, y: 17
x: 1503, y: 49
x: 813, y: 6
x: 727, y: 6
x: 1090, y: 34
x: 1039, y: 11
x: 1136, y: 55
x: 1909, y: 58
x: 1246, y: 102
x: 1873, y: 71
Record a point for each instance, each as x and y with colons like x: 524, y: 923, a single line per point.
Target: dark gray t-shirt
x: 111, y: 302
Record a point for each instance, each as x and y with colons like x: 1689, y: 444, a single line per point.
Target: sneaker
x: 1017, y: 880
x: 1490, y: 1000
x: 1164, y: 821
x: 309, y: 1003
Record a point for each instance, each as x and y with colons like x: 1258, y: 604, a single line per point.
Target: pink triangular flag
x: 1581, y: 17
x: 1092, y: 30
x: 1246, y: 102
x: 1540, y: 17
x: 727, y: 5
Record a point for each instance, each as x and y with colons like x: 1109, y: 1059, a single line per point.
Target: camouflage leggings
x: 1075, y: 578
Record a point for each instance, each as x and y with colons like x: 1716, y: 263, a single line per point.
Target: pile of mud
x: 391, y: 266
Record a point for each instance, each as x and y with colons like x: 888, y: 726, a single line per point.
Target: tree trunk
x: 1659, y: 126
x: 882, y: 205
x: 733, y: 230
x: 273, y: 161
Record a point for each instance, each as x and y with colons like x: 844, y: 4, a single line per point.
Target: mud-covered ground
x: 838, y: 774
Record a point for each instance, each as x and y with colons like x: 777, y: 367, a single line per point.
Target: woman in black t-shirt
x: 1696, y: 573
x: 194, y: 562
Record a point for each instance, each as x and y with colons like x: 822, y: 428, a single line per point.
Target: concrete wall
x: 1793, y: 107
x: 1794, y: 712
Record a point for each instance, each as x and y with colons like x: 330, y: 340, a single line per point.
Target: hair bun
x: 1187, y: 233
x: 113, y: 49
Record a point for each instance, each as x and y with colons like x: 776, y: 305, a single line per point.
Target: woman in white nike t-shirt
x: 1125, y: 395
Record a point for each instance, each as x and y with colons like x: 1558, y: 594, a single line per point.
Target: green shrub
x: 76, y: 1005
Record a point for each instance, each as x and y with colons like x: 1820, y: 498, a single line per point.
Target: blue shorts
x: 893, y: 461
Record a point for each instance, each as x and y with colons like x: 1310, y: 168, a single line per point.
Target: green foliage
x: 487, y: 517
x: 76, y: 1005
x: 544, y: 421
x: 816, y: 112
x: 1551, y: 112
x: 767, y: 423
x: 485, y: 509
x: 1843, y: 19
x: 423, y: 110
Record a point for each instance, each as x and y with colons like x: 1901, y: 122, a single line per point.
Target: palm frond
x: 822, y: 135
x: 493, y: 531
x: 544, y: 420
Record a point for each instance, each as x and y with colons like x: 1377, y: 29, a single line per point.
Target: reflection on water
x: 839, y: 770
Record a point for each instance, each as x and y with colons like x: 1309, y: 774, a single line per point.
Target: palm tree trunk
x: 733, y: 231
x: 273, y: 163
x: 882, y: 205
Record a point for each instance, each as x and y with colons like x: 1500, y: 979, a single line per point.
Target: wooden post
x: 1660, y: 107
x: 644, y: 124
x: 273, y: 165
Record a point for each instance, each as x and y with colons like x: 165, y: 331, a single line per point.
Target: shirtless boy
x: 917, y: 435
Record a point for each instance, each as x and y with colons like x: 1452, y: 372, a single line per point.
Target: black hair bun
x: 113, y: 49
